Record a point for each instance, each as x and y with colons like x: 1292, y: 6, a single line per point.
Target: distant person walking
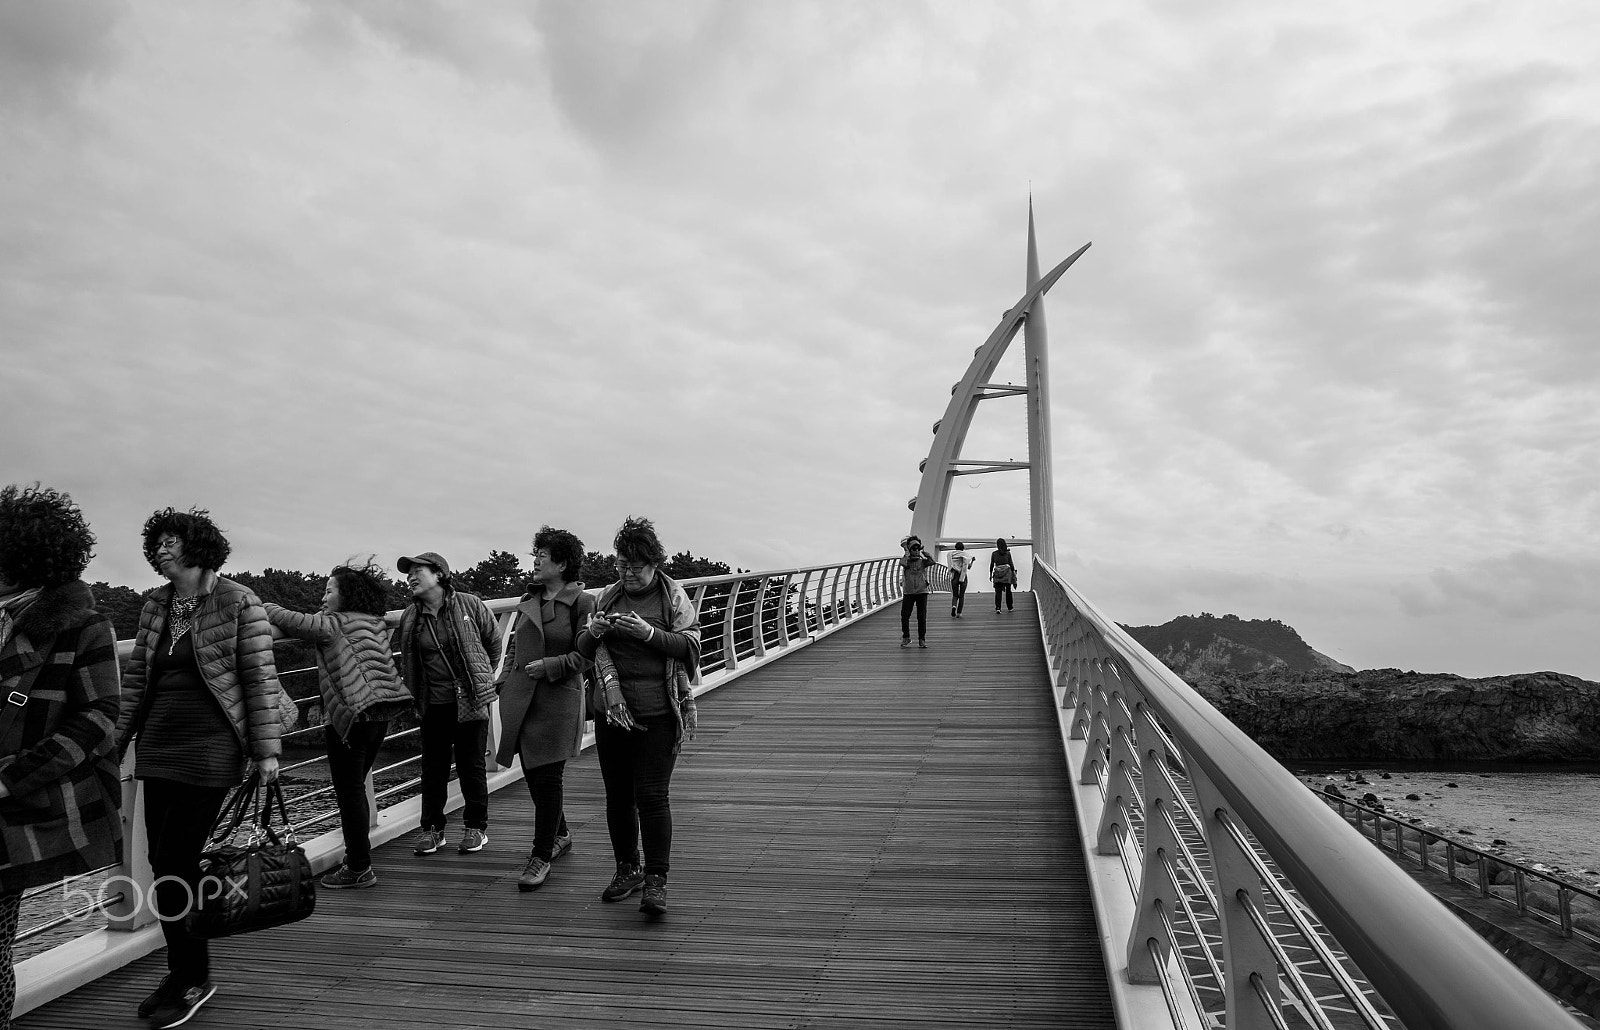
x: 1003, y: 574
x: 449, y: 643
x: 542, y: 692
x: 59, y: 795
x: 959, y: 562
x: 914, y: 562
x: 200, y: 696
x: 361, y: 692
x: 645, y: 642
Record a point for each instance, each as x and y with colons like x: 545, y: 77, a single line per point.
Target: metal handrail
x: 1406, y: 944
x: 1560, y: 918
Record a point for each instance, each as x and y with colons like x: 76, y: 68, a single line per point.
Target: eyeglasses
x: 625, y: 566
x: 169, y: 544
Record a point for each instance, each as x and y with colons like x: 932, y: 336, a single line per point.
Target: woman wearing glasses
x: 200, y: 694
x: 645, y: 641
x: 541, y: 692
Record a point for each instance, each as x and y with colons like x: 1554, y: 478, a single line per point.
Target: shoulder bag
x: 263, y: 883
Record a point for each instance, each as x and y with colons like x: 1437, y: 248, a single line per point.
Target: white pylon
x: 944, y: 462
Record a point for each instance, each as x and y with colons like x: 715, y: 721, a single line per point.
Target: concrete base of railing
x: 1137, y: 1006
x: 65, y: 968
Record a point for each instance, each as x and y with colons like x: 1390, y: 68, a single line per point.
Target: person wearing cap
x: 449, y: 643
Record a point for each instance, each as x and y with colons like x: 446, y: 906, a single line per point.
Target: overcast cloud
x: 379, y: 277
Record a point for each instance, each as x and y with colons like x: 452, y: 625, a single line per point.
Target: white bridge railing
x: 747, y: 619
x: 1222, y: 881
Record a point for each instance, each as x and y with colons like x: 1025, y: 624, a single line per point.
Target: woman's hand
x: 535, y: 670
x: 268, y: 768
x: 630, y: 624
x: 619, y: 716
x: 598, y: 625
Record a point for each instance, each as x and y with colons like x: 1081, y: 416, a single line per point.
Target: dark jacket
x: 474, y: 646
x: 355, y: 670
x: 914, y: 572
x: 232, y: 647
x: 57, y: 749
x: 542, y: 718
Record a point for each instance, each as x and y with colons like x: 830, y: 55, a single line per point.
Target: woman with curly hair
x: 645, y: 642
x: 541, y: 692
x: 59, y: 790
x: 361, y: 692
x: 200, y: 696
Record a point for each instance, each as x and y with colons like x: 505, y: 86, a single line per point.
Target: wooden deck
x: 864, y: 836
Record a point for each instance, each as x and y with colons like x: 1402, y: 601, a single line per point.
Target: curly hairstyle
x: 44, y: 540
x: 636, y: 541
x: 204, y: 546
x: 563, y: 547
x: 362, y: 588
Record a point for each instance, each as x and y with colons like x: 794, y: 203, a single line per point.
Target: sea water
x: 1548, y: 816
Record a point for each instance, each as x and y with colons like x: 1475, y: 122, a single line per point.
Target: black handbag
x: 265, y: 882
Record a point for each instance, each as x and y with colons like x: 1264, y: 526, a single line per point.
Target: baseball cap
x: 433, y: 558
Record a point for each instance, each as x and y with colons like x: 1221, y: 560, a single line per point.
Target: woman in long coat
x: 542, y: 692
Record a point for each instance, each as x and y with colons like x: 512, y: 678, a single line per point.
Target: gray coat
x: 541, y: 719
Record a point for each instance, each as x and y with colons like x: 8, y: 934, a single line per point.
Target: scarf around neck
x: 180, y: 617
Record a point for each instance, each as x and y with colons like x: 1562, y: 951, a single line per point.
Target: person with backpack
x: 542, y: 692
x: 1003, y: 574
x: 914, y: 562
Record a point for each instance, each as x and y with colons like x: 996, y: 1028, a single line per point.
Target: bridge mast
x: 1035, y: 343
x: 944, y: 463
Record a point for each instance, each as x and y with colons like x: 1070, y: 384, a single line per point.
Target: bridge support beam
x: 944, y: 462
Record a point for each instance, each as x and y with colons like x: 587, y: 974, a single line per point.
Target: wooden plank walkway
x: 864, y: 836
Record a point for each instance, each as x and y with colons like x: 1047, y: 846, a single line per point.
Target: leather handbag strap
x: 236, y: 808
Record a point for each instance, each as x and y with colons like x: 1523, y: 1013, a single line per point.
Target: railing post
x: 730, y: 658
x: 804, y: 600
x: 1099, y: 736
x: 758, y: 618
x: 1119, y: 797
x: 783, y: 610
x: 833, y: 595
x: 137, y: 907
x: 1158, y: 889
x: 1244, y: 953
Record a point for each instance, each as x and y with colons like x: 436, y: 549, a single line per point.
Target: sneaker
x: 534, y: 873
x: 922, y: 644
x: 179, y: 1008
x: 627, y: 880
x: 344, y: 876
x: 473, y: 840
x: 953, y: 613
x: 906, y: 642
x: 562, y: 845
x: 654, y: 901
x: 165, y: 991
x: 429, y: 841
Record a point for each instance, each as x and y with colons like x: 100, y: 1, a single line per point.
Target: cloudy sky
x: 380, y: 277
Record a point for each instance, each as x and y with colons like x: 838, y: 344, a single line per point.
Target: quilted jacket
x: 474, y: 645
x: 56, y: 747
x: 355, y: 669
x: 232, y: 646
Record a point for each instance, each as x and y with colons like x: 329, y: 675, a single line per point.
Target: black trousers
x: 549, y: 817
x: 1002, y: 590
x: 444, y: 738
x: 636, y: 766
x: 178, y: 819
x: 920, y: 603
x: 349, y: 761
x: 958, y: 594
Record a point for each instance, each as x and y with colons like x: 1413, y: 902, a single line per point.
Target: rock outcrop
x: 1389, y: 715
x: 1300, y: 704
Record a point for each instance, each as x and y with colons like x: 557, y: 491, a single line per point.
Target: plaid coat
x: 58, y: 703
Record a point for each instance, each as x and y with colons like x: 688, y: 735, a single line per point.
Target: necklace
x: 180, y: 615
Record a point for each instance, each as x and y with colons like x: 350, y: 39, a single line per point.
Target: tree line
x: 499, y: 575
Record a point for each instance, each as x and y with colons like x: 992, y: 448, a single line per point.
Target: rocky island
x: 1301, y: 705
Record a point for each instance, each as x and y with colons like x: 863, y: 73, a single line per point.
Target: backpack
x: 1001, y: 573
